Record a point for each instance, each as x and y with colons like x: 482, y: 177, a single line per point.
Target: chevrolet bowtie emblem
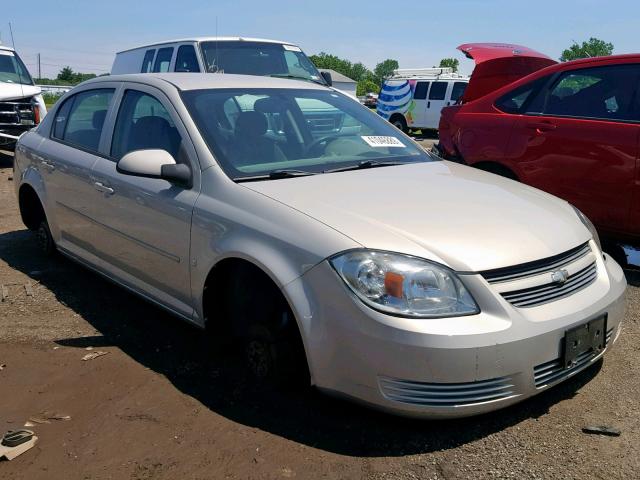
x: 559, y: 276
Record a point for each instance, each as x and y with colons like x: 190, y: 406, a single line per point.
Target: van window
x: 80, y: 123
x: 186, y: 60
x: 163, y: 59
x: 438, y: 90
x: 421, y: 91
x: 147, y: 62
x: 458, y: 90
x: 143, y: 123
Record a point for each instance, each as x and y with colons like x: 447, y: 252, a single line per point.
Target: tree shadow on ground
x: 183, y: 355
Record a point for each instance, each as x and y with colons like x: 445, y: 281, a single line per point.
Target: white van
x: 248, y: 56
x: 412, y: 98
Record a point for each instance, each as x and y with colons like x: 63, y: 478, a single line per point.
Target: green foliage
x: 594, y: 47
x: 68, y: 77
x: 367, y: 85
x: 452, y: 63
x: 385, y: 69
x: 50, y: 98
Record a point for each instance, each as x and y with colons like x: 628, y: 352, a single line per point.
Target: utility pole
x: 39, y: 72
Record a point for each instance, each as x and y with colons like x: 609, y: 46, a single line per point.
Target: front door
x: 579, y: 139
x: 146, y: 222
x: 436, y: 101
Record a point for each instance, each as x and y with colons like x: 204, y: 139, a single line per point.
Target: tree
x: 452, y: 63
x: 385, y: 69
x: 365, y: 86
x: 67, y: 75
x: 594, y: 47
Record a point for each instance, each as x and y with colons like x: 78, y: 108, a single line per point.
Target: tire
x: 273, y: 354
x: 400, y: 123
x: 45, y: 240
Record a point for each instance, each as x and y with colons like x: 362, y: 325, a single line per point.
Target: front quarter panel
x: 232, y: 221
x: 26, y: 165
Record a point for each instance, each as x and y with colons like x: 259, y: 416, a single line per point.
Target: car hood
x: 462, y: 217
x: 498, y: 64
x: 14, y: 91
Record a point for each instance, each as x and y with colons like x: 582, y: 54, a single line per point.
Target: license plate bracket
x: 589, y: 336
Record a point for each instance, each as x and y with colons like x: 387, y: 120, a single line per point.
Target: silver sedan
x: 338, y: 253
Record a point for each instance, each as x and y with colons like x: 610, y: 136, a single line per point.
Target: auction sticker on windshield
x: 382, y: 141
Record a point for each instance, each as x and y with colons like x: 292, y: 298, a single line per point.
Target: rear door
x: 578, y: 139
x: 68, y: 157
x: 146, y: 222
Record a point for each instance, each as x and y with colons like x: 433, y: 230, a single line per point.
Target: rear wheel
x: 45, y: 239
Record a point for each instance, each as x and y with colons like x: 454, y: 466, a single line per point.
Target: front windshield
x: 12, y: 70
x: 258, y: 58
x: 256, y: 132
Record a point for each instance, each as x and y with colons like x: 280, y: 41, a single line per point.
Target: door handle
x: 541, y: 126
x: 101, y: 187
x: 428, y: 104
x: 48, y: 165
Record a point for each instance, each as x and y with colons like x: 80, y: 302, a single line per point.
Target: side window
x: 81, y: 118
x: 421, y: 91
x: 143, y: 123
x: 186, y: 60
x: 163, y: 60
x: 438, y: 90
x: 147, y: 62
x: 523, y: 98
x: 457, y: 91
x: 602, y: 92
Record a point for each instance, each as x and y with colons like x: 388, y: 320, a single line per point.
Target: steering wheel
x: 318, y: 141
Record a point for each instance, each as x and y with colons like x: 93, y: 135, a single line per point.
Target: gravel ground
x: 162, y: 404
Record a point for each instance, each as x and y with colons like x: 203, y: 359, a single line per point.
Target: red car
x: 571, y: 129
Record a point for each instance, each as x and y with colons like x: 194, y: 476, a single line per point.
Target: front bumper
x: 445, y: 367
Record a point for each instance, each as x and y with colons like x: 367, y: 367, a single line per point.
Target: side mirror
x: 327, y: 78
x: 154, y: 164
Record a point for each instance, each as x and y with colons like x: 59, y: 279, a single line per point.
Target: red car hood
x: 498, y: 64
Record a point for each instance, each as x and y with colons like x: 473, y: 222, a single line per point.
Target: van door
x: 417, y: 117
x: 436, y: 100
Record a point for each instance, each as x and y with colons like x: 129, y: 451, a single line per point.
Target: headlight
x: 404, y: 285
x: 587, y: 223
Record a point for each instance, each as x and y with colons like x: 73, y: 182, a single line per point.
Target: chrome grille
x: 550, y: 372
x: 447, y: 394
x: 16, y: 112
x: 536, y: 268
x: 539, y: 295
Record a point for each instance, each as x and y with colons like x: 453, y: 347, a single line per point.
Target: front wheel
x: 400, y: 123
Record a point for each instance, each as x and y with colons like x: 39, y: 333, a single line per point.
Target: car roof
x: 4, y: 47
x: 207, y: 39
x: 201, y: 81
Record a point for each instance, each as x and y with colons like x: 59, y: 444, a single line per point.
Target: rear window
x: 147, y: 62
x: 421, y: 90
x: 520, y: 98
x: 438, y: 91
x: 186, y: 60
x: 163, y: 59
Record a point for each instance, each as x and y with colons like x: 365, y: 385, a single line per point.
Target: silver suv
x: 338, y: 251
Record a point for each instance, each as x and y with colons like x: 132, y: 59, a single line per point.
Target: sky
x: 86, y: 34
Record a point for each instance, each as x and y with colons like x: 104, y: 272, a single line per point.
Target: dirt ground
x: 161, y: 404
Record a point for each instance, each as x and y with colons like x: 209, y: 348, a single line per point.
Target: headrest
x: 98, y: 119
x: 251, y: 124
x: 267, y: 105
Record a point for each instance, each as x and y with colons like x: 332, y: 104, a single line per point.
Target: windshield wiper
x: 297, y: 77
x: 276, y: 175
x: 364, y: 165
